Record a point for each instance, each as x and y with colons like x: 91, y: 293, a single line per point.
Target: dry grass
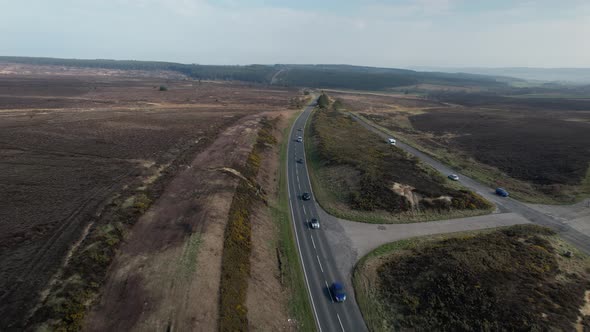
x: 514, y: 278
x: 354, y: 174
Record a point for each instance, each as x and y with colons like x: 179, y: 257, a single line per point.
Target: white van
x: 391, y: 141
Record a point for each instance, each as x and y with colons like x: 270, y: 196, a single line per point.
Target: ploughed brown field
x: 535, y: 147
x: 71, y: 146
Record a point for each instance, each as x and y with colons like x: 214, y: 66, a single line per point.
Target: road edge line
x: 317, y: 321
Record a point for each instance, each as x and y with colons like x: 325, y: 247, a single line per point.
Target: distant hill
x: 315, y: 76
x: 566, y: 75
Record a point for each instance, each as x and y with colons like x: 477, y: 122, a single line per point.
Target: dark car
x: 300, y: 161
x: 306, y: 196
x: 501, y: 192
x: 338, y: 292
x: 299, y: 129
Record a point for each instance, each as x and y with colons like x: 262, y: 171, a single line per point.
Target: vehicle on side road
x: 454, y: 177
x: 391, y: 141
x: 306, y: 196
x: 338, y: 292
x: 314, y: 223
x: 502, y: 192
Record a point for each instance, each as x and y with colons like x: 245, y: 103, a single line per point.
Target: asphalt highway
x: 319, y: 266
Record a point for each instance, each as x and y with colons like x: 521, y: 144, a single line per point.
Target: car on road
x: 338, y: 292
x: 502, y: 192
x: 391, y: 141
x: 454, y: 177
x: 314, y: 223
x: 299, y: 139
x: 299, y: 129
x: 300, y: 160
x: 306, y: 196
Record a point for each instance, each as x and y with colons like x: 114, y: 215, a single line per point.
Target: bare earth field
x: 76, y: 149
x: 537, y: 149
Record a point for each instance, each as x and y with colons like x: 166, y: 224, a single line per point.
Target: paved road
x: 329, y: 254
x: 505, y: 204
x: 315, y: 251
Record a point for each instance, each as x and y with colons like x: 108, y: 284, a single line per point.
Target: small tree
x: 163, y: 88
x: 323, y: 101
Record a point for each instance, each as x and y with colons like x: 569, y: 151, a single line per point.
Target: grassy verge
x: 489, y: 175
x: 513, y: 278
x: 237, y: 245
x: 352, y: 172
x: 291, y: 270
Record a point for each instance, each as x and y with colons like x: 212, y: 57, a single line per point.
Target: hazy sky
x: 394, y: 33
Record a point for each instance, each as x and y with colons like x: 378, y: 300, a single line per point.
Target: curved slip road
x: 319, y: 266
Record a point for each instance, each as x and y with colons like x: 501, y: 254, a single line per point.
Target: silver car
x: 314, y: 223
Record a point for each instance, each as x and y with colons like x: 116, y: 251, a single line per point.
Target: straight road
x: 505, y: 204
x: 319, y: 266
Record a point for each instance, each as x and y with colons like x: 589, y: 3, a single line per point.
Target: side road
x: 579, y: 236
x: 351, y: 240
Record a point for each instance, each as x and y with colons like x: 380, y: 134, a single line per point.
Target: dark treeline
x: 325, y: 76
x: 251, y: 73
x: 315, y: 78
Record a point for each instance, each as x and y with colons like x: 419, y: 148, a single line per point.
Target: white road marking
x: 312, y: 241
x: 329, y: 291
x: 321, y: 269
x: 304, y: 158
x: 339, y: 321
x: 305, y: 213
x: 299, y: 249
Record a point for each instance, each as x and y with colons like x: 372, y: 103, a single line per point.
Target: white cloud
x: 413, y: 32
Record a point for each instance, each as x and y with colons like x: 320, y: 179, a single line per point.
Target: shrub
x: 499, y: 281
x: 338, y: 139
x: 323, y: 101
x: 235, y: 262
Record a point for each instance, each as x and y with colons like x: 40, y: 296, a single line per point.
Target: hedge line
x: 235, y: 268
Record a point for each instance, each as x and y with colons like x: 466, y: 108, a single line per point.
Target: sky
x: 384, y: 33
